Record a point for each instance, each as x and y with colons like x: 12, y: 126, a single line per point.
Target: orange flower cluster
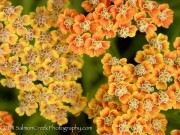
x: 35, y: 58
x: 6, y: 123
x: 107, y: 18
x: 131, y: 101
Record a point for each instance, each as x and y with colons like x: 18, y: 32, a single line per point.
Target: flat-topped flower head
x: 48, y: 110
x: 121, y: 11
x: 162, y: 16
x: 44, y: 94
x: 25, y: 108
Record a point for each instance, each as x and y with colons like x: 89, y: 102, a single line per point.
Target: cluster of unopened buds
x: 41, y: 55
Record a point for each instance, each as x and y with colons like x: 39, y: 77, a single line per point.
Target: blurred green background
x: 92, y: 75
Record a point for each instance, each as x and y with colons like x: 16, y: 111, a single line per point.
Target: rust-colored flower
x: 95, y: 46
x: 85, y: 23
x: 108, y: 62
x: 175, y: 132
x: 162, y: 16
x: 119, y: 74
x: 158, y: 42
x: 154, y: 58
x: 66, y: 20
x: 121, y: 91
x: 6, y: 123
x: 94, y: 109
x: 121, y: 11
x: 163, y: 75
x: 158, y: 125
x: 165, y: 99
x: 106, y: 119
x: 89, y: 5
x: 176, y: 91
x: 124, y: 28
x: 177, y: 43
x: 134, y: 105
x: 121, y: 125
x: 144, y: 24
x: 76, y: 42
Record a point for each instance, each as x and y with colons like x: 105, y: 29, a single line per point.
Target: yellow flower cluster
x: 35, y: 59
x: 131, y: 101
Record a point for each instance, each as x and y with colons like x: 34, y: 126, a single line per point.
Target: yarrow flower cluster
x: 6, y: 123
x: 41, y: 55
x: 107, y: 19
x: 35, y: 59
x: 131, y: 101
